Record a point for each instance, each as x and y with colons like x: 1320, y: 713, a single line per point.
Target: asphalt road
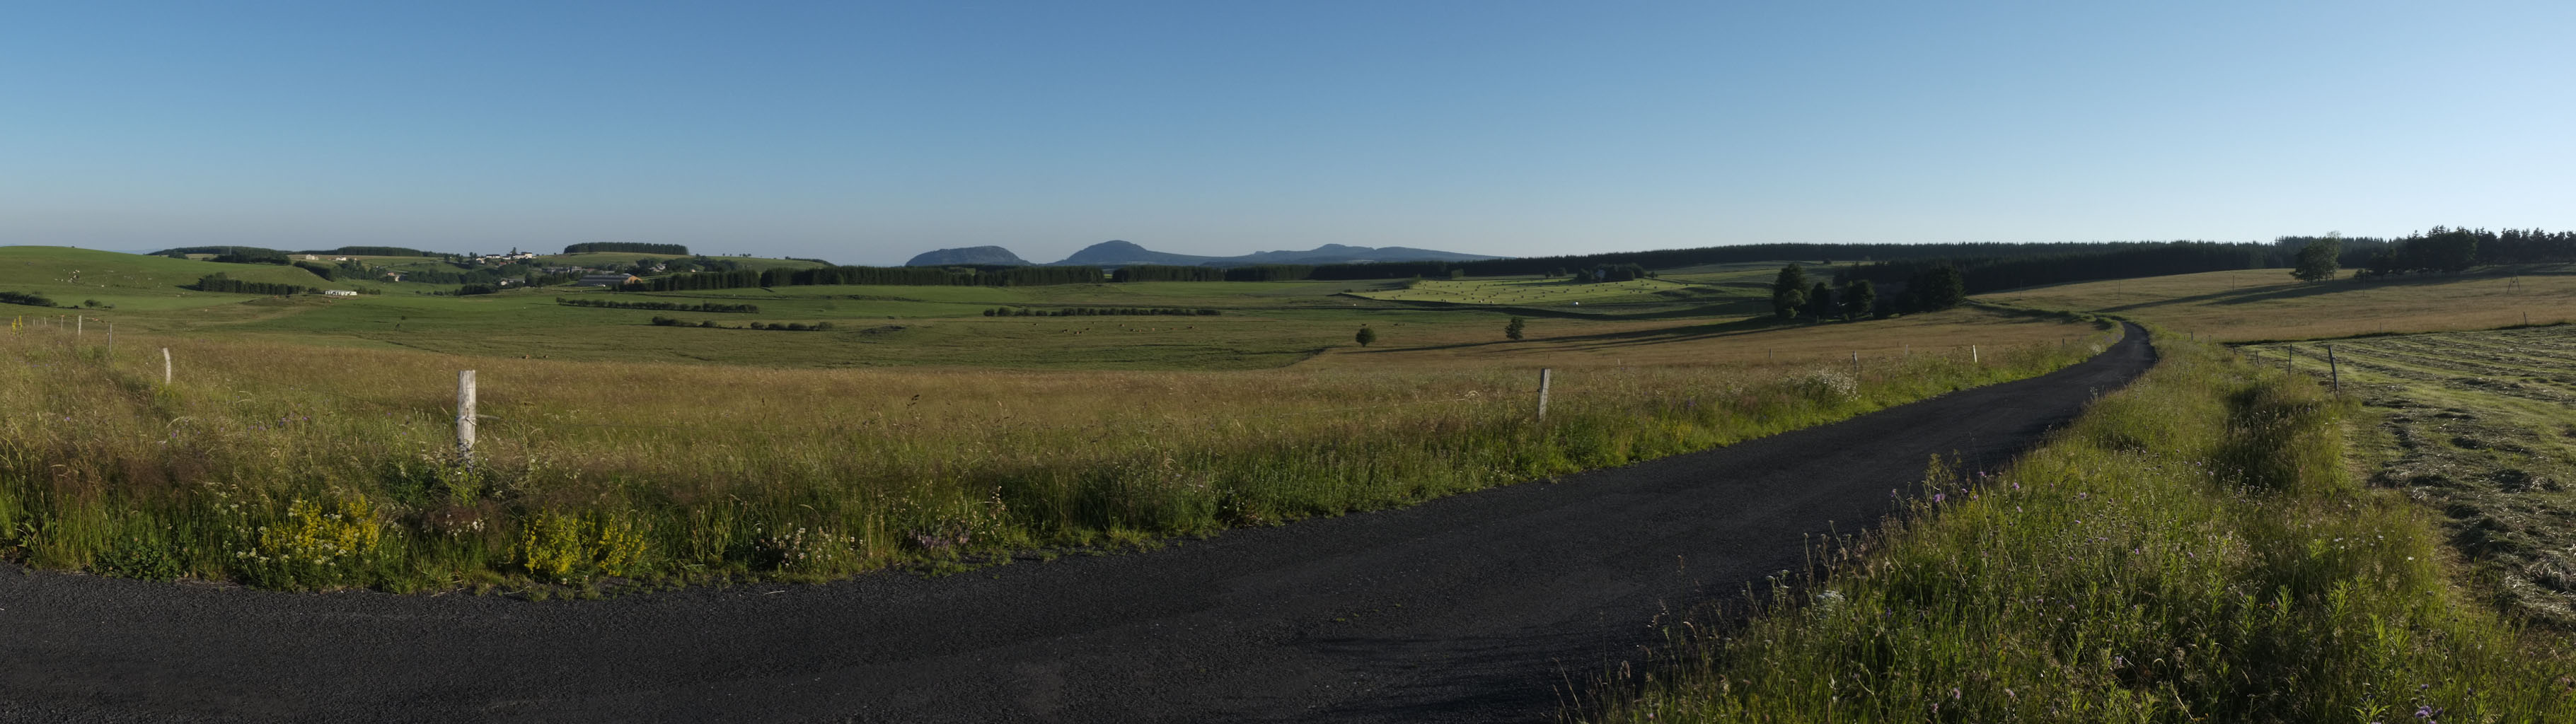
x: 1477, y: 607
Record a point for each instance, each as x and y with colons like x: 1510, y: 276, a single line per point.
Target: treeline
x: 219, y: 282
x: 378, y: 251
x: 769, y: 326
x: 628, y: 247
x: 1246, y: 273
x: 482, y: 276
x: 27, y: 298
x: 1611, y: 273
x: 252, y: 252
x: 1100, y: 311
x: 660, y: 306
x: 1673, y: 258
x: 992, y: 276
x: 1986, y: 274
x: 325, y: 271
x: 2445, y: 249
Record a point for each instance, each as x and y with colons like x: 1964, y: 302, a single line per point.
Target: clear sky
x: 866, y: 132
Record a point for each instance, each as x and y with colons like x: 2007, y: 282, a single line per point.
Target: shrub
x: 571, y: 548
x: 321, y: 543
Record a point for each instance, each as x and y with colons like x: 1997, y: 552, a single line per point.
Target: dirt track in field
x: 1477, y: 607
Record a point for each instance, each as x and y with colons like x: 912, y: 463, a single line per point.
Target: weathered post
x: 165, y: 367
x: 1855, y: 367
x: 465, y: 416
x: 2289, y: 357
x: 2334, y: 373
x: 1545, y: 376
x: 1973, y: 358
x: 111, y: 341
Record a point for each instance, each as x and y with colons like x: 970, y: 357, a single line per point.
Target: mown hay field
x: 2267, y: 305
x: 2479, y: 427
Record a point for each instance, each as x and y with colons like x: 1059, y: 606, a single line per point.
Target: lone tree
x: 1789, y: 291
x: 1859, y: 299
x: 1365, y: 336
x: 1938, y: 288
x: 2317, y: 259
x: 1514, y: 329
x: 1820, y: 301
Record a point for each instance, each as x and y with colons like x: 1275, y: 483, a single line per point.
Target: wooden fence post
x: 465, y: 416
x: 1545, y: 376
x: 2334, y: 374
x: 1973, y: 358
x: 2289, y: 357
x: 165, y: 367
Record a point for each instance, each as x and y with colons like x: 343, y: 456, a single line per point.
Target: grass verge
x: 2193, y: 548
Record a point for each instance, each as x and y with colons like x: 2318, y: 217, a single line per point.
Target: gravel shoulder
x: 1477, y: 607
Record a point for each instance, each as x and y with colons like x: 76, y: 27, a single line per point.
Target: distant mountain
x: 1341, y: 254
x: 968, y: 255
x: 1123, y: 253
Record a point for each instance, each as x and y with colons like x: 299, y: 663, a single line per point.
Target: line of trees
x: 661, y: 306
x: 219, y: 282
x: 489, y: 277
x: 1099, y: 311
x: 27, y: 298
x: 660, y: 321
x: 1246, y: 273
x: 1605, y: 273
x: 1826, y: 253
x: 1930, y: 289
x: 1986, y: 274
x: 1167, y: 273
x: 2441, y: 249
x: 627, y: 247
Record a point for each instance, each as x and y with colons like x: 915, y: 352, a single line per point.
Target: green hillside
x: 129, y: 281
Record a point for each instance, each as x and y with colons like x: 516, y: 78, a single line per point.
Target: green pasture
x: 1261, y: 325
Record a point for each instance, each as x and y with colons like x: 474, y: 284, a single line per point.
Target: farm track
x: 1477, y: 607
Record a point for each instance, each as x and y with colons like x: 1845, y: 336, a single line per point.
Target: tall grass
x: 2191, y: 549
x: 301, y: 467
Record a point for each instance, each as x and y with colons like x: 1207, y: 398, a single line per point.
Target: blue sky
x: 868, y: 132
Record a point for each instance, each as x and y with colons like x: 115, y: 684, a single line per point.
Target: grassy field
x: 1721, y: 290
x: 2193, y: 549
x: 305, y: 442
x: 2266, y: 305
x: 1260, y: 325
x: 2476, y: 426
x: 294, y: 466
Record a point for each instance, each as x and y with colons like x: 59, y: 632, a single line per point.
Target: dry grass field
x: 286, y: 463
